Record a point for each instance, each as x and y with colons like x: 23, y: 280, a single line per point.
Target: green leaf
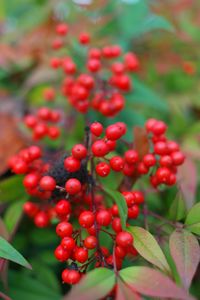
x: 8, y: 252
x: 121, y: 204
x: 192, y: 221
x: 12, y: 189
x: 147, y: 246
x: 46, y: 275
x: 177, y: 209
x: 153, y: 283
x: 143, y: 95
x: 153, y: 22
x: 22, y: 286
x: 185, y: 252
x: 13, y: 214
x: 94, y: 285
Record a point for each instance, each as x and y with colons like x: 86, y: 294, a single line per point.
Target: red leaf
x: 125, y: 293
x: 187, y: 177
x: 185, y: 251
x: 152, y: 283
x: 141, y: 143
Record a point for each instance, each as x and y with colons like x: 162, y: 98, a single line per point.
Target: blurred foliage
x: 165, y: 35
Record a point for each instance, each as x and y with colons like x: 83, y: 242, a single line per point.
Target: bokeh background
x: 164, y: 35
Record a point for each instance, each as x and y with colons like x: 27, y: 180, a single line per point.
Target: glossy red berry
x: 116, y: 224
x: 131, y: 156
x: 96, y: 128
x: 84, y: 38
x: 61, y: 254
x: 30, y: 209
x: 47, y: 183
x: 41, y: 219
x: 117, y: 163
x: 103, y: 217
x: 102, y: 169
x: 81, y: 255
x: 71, y: 276
x: 79, y: 151
x: 86, y: 219
x: 149, y: 160
x: 73, y: 186
x: 68, y: 243
x: 99, y: 148
x: 178, y: 158
x: 72, y: 164
x: 90, y: 242
x: 31, y: 180
x: 63, y: 207
x: 62, y: 29
x: 64, y: 229
x: 124, y: 239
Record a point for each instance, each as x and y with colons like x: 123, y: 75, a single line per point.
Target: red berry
x: 81, y: 255
x: 30, y: 209
x: 41, y: 219
x: 35, y: 152
x: 84, y: 38
x: 149, y: 124
x: 20, y: 167
x: 149, y: 160
x: 159, y: 128
x: 73, y: 186
x: 138, y: 197
x: 96, y: 128
x: 90, y: 242
x: 102, y: 169
x: 30, y: 180
x: 163, y: 175
x: 124, y: 239
x: 93, y: 65
x: 99, y: 148
x: 64, y: 229
x: 133, y: 211
x: 160, y: 148
x: 86, y: 219
x: 47, y: 183
x: 30, y: 121
x: 62, y: 29
x: 116, y: 225
x: 166, y: 161
x: 71, y: 276
x: 72, y: 164
x: 131, y: 156
x: 129, y: 197
x: 61, y: 254
x: 68, y: 243
x: 53, y: 132
x: 178, y: 158
x: 115, y: 131
x: 103, y: 217
x: 63, y: 207
x: 117, y: 163
x: 79, y: 151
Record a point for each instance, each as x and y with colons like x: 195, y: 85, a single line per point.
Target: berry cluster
x: 104, y: 81
x: 69, y: 190
x: 41, y: 122
x: 72, y: 190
